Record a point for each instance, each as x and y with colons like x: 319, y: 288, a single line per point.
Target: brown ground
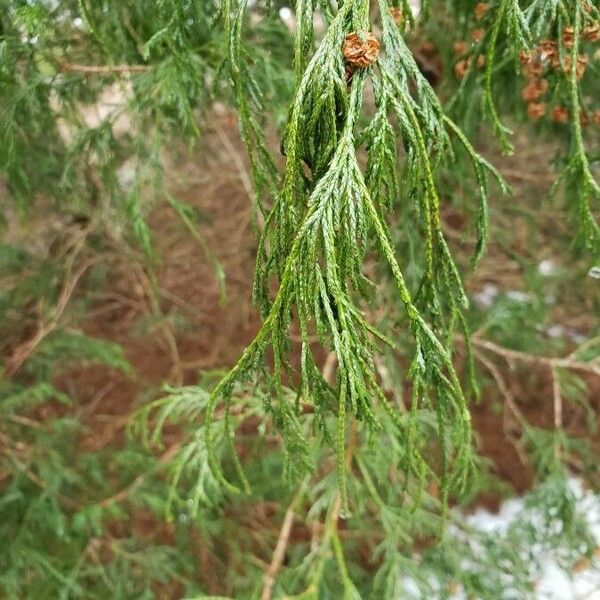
x: 197, y: 329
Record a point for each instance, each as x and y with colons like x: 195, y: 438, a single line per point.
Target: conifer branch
x: 321, y: 220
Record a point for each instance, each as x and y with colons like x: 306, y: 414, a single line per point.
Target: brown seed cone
x: 460, y: 48
x: 477, y: 34
x: 536, y: 110
x: 547, y: 49
x: 360, y: 51
x: 461, y: 68
x: 568, y: 36
x: 596, y: 117
x: 534, y: 90
x: 480, y: 9
x: 559, y: 114
x: 582, y: 61
x: 566, y: 64
x: 533, y: 66
x: 525, y: 57
x: 534, y: 69
x: 555, y: 62
x: 397, y: 15
x: 428, y: 48
x: 591, y: 33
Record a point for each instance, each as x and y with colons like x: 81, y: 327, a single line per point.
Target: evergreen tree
x: 364, y: 369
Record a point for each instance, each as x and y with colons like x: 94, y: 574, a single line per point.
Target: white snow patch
x: 415, y: 6
x: 547, y: 268
x: 554, y: 583
x: 486, y: 297
x: 285, y: 13
x: 518, y: 296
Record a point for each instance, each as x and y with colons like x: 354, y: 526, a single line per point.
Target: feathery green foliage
x: 328, y: 214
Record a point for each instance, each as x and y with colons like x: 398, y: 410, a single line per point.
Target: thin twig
x: 585, y: 346
x: 281, y: 546
x: 24, y: 351
x: 329, y: 367
x: 332, y: 535
x: 557, y: 400
x: 239, y: 164
x: 65, y: 500
x: 553, y: 363
x: 509, y: 402
x: 137, y: 482
x: 151, y: 287
x: 503, y: 388
x: 102, y: 69
x: 558, y: 410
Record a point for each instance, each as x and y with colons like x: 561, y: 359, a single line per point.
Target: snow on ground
x: 554, y: 583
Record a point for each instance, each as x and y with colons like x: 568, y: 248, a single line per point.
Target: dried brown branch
x: 68, y: 67
x: 24, y: 351
x: 503, y: 388
x: 557, y: 400
x: 509, y: 401
x: 561, y: 363
x: 151, y: 288
x: 281, y: 546
x: 137, y: 482
x: 19, y: 454
x: 329, y: 367
x: 558, y: 407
